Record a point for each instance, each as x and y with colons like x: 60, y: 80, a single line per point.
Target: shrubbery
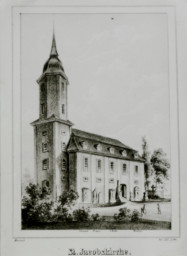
x: 37, y: 207
x: 81, y: 215
x: 135, y: 216
x: 125, y: 215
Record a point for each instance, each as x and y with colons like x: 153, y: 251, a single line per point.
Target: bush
x: 81, y: 215
x: 97, y: 217
x: 123, y: 214
x: 135, y: 216
x: 68, y: 198
x: 34, y: 208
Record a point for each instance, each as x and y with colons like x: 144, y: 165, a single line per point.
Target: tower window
x: 44, y: 147
x: 44, y: 133
x: 42, y: 108
x: 63, y: 145
x: 62, y: 87
x: 63, y: 164
x: 63, y: 108
x: 43, y: 87
x: 111, y: 180
x: 45, y: 164
x: 45, y: 183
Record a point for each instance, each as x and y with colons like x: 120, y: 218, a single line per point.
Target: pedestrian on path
x: 158, y: 208
x: 143, y: 210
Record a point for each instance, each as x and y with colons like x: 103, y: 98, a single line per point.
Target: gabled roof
x: 99, y: 138
x: 86, y: 142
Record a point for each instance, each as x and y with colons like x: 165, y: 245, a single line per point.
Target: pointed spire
x: 53, y: 47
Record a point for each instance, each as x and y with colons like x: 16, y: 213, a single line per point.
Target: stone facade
x: 99, y: 183
x: 102, y: 170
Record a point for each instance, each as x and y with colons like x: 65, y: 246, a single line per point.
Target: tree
x: 147, y: 165
x: 68, y: 198
x: 34, y: 208
x: 160, y: 165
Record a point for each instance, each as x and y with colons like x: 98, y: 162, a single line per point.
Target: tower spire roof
x: 53, y: 47
x: 53, y: 65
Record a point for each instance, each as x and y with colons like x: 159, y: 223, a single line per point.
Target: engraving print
x: 80, y: 178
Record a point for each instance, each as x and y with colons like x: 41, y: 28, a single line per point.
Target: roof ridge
x: 96, y: 135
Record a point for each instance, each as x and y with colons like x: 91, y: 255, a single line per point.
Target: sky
x: 117, y: 65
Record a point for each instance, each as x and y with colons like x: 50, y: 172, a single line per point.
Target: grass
x: 101, y: 225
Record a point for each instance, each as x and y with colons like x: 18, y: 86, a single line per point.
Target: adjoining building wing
x: 100, y: 145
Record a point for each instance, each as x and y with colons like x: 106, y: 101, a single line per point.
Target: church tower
x: 52, y: 130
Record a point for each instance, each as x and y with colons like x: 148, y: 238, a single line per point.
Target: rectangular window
x: 98, y: 180
x: 111, y: 180
x: 63, y: 145
x: 63, y: 108
x: 44, y: 147
x: 85, y: 179
x: 111, y: 167
x: 45, y: 164
x: 42, y: 108
x: 136, y: 170
x: 99, y: 165
x: 86, y: 162
x: 124, y: 168
x: 63, y: 164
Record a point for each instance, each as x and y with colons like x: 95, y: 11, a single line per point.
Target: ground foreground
x: 150, y: 220
x: 104, y: 225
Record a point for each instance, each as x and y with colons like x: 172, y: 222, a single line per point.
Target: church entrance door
x: 123, y: 190
x: 86, y: 197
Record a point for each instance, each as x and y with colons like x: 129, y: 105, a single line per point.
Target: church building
x: 101, y: 169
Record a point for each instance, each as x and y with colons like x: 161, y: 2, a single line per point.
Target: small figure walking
x: 159, y: 210
x: 143, y: 210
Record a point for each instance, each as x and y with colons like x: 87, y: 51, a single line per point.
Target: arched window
x: 45, y: 184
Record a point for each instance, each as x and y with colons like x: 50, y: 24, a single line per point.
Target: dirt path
x: 151, y: 210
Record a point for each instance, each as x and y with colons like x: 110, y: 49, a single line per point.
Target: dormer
x: 111, y: 150
x: 124, y: 153
x: 136, y: 155
x: 98, y: 147
x: 84, y: 144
